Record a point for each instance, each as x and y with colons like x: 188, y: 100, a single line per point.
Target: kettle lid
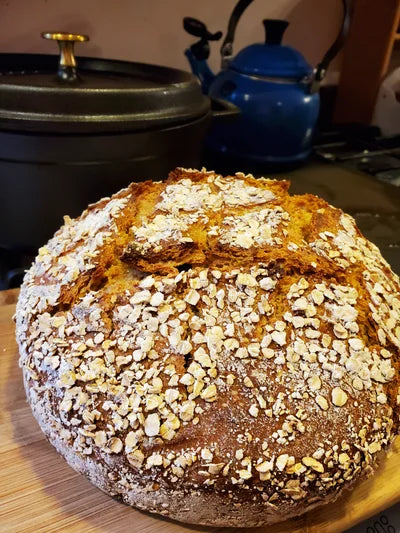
x: 272, y: 59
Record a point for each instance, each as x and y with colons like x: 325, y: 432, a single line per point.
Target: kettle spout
x: 200, y: 69
x: 199, y: 52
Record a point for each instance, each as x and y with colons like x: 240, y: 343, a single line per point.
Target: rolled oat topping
x: 215, y: 333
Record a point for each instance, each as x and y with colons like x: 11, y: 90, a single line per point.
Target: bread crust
x: 213, y: 349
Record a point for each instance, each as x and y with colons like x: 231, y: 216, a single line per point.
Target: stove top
x: 365, y: 150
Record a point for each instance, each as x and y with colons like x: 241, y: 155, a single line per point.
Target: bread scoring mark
x: 164, y: 229
x: 297, y: 364
x: 73, y: 250
x: 346, y: 247
x: 236, y: 192
x: 173, y: 224
x: 257, y: 228
x: 188, y: 196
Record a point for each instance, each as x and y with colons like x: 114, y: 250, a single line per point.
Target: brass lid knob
x: 67, y: 62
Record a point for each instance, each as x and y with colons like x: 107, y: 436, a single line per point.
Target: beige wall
x: 151, y: 30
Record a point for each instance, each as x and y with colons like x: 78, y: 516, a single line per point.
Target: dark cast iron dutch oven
x: 69, y: 137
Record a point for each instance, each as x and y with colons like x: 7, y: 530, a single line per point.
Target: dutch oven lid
x: 46, y: 93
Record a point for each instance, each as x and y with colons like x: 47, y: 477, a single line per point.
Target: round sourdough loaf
x: 213, y: 349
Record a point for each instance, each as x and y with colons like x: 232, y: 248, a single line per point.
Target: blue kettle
x: 275, y: 88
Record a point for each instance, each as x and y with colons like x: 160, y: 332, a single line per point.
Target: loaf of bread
x: 213, y: 349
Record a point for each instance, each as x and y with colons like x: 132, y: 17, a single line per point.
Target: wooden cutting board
x: 39, y: 492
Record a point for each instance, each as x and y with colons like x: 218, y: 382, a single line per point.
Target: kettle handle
x: 322, y: 67
x: 320, y: 71
x: 227, y: 45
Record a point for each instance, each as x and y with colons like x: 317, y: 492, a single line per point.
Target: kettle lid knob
x: 274, y: 30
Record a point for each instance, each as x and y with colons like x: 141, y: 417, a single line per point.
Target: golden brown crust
x: 213, y: 341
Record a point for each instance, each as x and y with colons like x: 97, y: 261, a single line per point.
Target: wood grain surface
x: 40, y: 493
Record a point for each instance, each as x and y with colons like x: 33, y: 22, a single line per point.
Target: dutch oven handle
x: 223, y: 109
x: 67, y: 62
x: 319, y: 72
